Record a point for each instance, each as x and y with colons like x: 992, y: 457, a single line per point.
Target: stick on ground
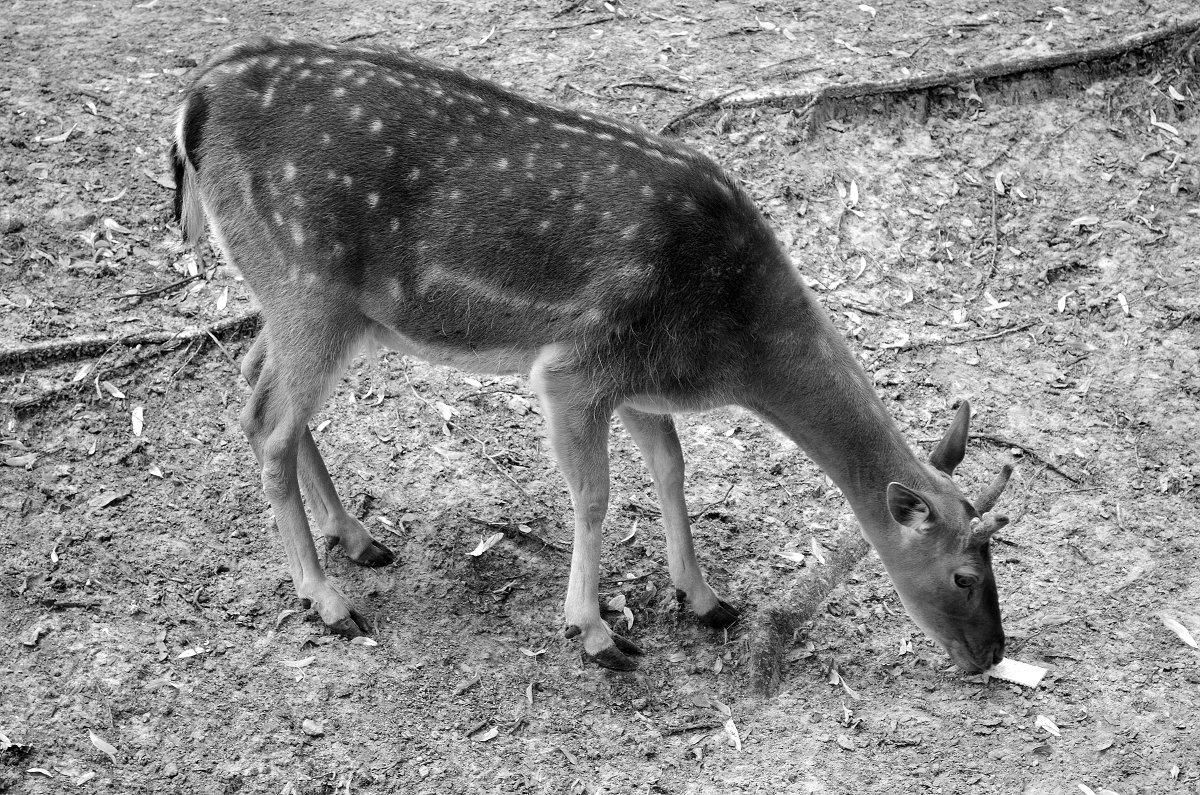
x: 774, y: 626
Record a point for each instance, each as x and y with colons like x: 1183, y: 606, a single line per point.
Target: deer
x: 370, y: 197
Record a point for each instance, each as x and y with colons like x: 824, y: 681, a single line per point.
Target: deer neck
x: 808, y: 384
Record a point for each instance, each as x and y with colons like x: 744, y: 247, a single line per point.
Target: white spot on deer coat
x: 373, y: 199
x: 502, y: 164
x: 298, y: 235
x: 377, y: 126
x: 289, y: 171
x: 356, y: 112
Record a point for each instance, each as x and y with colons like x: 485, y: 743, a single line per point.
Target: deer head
x: 942, y: 564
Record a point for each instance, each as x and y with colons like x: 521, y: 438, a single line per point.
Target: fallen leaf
x: 446, y: 412
x: 103, y: 746
x: 1086, y: 220
x: 105, y: 499
x: 484, y: 736
x: 732, y: 730
x: 1043, y: 722
x: 21, y: 461
x: 304, y: 663
x: 223, y: 299
x: 113, y: 226
x: 1179, y: 629
x: 155, y: 470
x: 532, y: 653
x: 186, y: 653
x: 112, y: 389
x: 631, y: 535
x: 136, y: 417
x: 795, y: 556
x: 816, y: 550
x: 363, y: 640
x: 485, y: 544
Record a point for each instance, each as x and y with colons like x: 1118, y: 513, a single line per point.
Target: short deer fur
x: 375, y: 197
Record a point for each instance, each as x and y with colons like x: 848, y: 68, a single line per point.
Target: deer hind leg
x: 337, y: 526
x: 289, y: 383
x: 655, y: 436
x: 578, y: 427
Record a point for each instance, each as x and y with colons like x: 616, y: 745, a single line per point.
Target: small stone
x: 170, y: 770
x: 312, y: 728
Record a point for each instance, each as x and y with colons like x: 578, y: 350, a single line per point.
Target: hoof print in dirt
x: 722, y: 616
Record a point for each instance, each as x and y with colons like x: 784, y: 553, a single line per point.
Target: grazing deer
x: 373, y: 197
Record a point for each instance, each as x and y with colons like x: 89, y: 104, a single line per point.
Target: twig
x: 968, y: 340
x: 875, y: 88
x: 656, y: 86
x: 706, y: 508
x: 1000, y: 440
x: 571, y: 26
x: 96, y: 344
x: 163, y: 289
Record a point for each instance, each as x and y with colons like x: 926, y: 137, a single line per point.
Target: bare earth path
x: 1031, y: 245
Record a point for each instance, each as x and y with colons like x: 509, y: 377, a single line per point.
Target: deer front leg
x: 579, y: 438
x: 336, y: 525
x: 656, y: 438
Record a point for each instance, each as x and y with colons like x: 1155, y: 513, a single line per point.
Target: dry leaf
x: 155, y: 470
x: 795, y: 556
x: 223, y: 299
x: 103, y: 746
x: 816, y: 550
x: 113, y: 226
x: 1043, y: 722
x: 81, y: 373
x: 446, y: 412
x: 1175, y: 95
x: 484, y: 736
x: 363, y: 640
x: 136, y: 416
x: 307, y: 661
x: 186, y: 653
x: 485, y: 544
x: 632, y: 533
x: 732, y: 731
x: 1086, y: 220
x: 532, y: 653
x: 112, y: 389
x: 1179, y: 629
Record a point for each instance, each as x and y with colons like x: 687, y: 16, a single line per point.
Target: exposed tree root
x: 40, y: 353
x: 775, y: 625
x: 809, y: 98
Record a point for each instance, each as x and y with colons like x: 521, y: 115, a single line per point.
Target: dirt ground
x: 1032, y: 246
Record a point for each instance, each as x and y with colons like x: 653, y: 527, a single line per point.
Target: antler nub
x: 991, y: 494
x: 981, y: 528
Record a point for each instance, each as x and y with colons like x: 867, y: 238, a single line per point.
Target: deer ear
x: 908, y: 507
x: 953, y: 446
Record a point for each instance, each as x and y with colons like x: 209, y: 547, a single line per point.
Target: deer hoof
x: 613, y: 658
x: 351, y: 626
x: 722, y: 616
x: 373, y: 555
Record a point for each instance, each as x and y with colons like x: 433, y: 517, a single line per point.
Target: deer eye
x: 966, y: 581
